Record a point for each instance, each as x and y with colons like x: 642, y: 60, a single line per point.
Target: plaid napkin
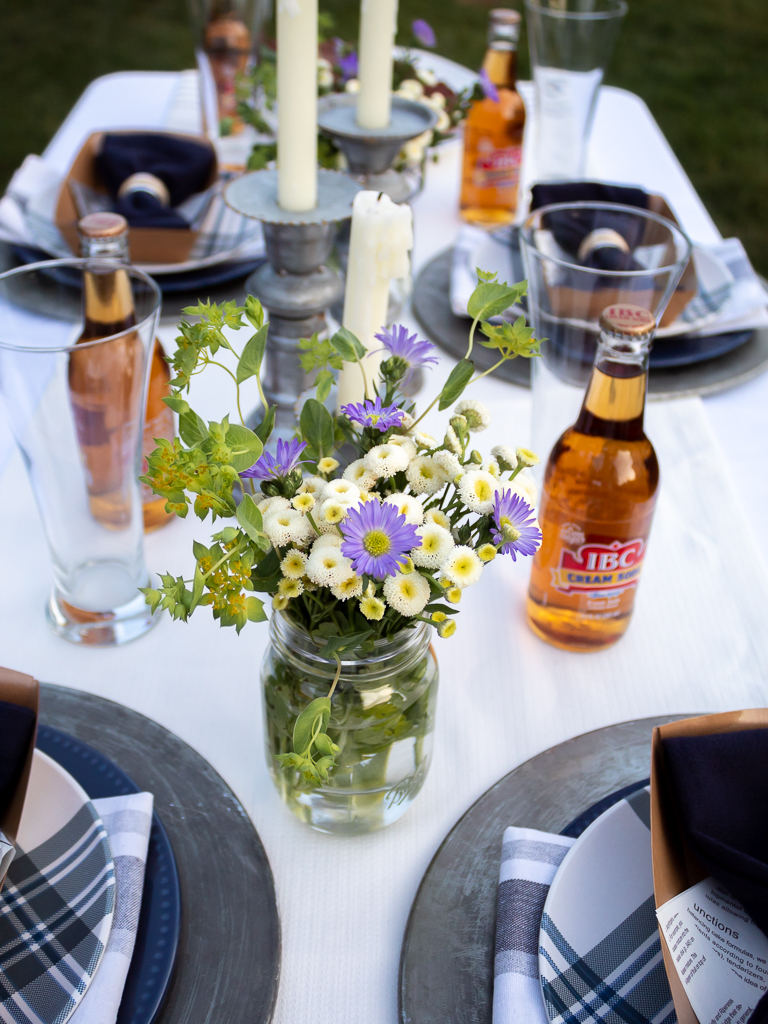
x: 128, y: 820
x: 55, y: 911
x: 529, y: 863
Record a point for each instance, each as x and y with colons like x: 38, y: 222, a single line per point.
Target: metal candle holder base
x: 371, y: 152
x: 295, y: 285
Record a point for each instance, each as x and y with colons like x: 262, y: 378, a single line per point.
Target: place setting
x: 376, y: 645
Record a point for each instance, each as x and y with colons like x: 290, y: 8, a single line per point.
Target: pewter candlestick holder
x: 295, y: 285
x: 370, y: 152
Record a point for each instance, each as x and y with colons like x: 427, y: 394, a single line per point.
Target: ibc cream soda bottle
x: 598, y: 498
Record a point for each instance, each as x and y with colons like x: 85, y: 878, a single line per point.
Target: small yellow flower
x: 327, y: 465
x: 289, y: 588
x: 447, y: 628
x: 439, y: 616
x: 453, y: 594
x: 487, y: 552
x: 279, y: 603
x: 294, y: 564
x: 525, y: 457
x: 333, y: 512
x: 406, y: 566
x: 371, y: 606
x: 303, y: 502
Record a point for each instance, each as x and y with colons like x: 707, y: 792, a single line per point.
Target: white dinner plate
x: 57, y: 904
x: 599, y: 948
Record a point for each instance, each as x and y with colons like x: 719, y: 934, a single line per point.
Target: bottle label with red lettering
x: 599, y: 567
x: 497, y: 168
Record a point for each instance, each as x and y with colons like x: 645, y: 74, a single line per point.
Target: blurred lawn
x: 699, y: 64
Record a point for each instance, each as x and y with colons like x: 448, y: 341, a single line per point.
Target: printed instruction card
x: 719, y: 953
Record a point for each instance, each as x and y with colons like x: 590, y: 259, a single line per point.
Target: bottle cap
x: 505, y: 15
x: 627, y: 321
x: 102, y: 225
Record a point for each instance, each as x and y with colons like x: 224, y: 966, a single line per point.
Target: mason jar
x: 382, y: 720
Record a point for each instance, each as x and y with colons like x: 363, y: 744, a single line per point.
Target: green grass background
x: 701, y: 65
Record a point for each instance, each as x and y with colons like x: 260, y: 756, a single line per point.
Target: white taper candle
x: 381, y: 238
x: 297, y: 104
x: 378, y: 25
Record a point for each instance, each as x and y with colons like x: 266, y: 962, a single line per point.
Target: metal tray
x: 446, y: 963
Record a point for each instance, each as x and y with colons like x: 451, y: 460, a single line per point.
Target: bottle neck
x: 614, y: 403
x: 500, y: 64
x: 107, y: 297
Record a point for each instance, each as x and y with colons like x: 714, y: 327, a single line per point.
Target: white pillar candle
x: 378, y: 25
x: 297, y: 104
x: 381, y: 238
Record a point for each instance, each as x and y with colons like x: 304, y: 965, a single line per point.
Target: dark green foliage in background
x: 699, y: 64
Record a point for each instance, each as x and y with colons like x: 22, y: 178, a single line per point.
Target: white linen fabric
x: 128, y: 821
x: 529, y: 862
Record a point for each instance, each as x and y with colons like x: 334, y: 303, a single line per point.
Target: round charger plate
x: 714, y: 373
x: 446, y: 962
x: 228, y: 960
x: 157, y: 937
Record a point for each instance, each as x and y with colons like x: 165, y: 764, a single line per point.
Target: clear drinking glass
x: 382, y: 718
x: 566, y: 298
x: 571, y: 43
x: 76, y: 412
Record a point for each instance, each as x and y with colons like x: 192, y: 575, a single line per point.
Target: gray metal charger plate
x: 432, y: 308
x: 228, y: 961
x: 446, y: 963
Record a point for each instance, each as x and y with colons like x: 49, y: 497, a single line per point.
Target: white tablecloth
x: 698, y: 643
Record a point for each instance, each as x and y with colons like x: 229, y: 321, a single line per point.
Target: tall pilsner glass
x: 566, y: 297
x: 76, y: 409
x: 571, y: 43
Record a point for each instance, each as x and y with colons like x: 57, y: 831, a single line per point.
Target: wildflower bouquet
x: 351, y: 554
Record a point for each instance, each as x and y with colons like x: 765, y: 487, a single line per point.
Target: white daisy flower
x: 446, y: 629
x: 425, y: 475
x: 406, y: 594
x: 407, y: 421
x: 294, y: 564
x: 386, y: 460
x: 371, y: 606
x: 434, y: 515
x: 353, y: 587
x: 448, y: 462
x: 505, y: 455
x: 410, y: 88
x: 353, y: 85
x: 366, y: 496
x: 328, y: 567
x: 527, y: 457
x: 331, y: 513
x: 327, y: 465
x: 358, y: 473
x: 290, y: 588
x: 407, y: 506
x: 275, y: 504
x: 486, y: 552
x: 436, y: 544
x: 303, y: 502
x: 423, y: 440
x: 287, y: 526
x: 279, y: 603
x: 462, y: 567
x: 327, y: 540
x: 342, y: 490
x: 525, y: 486
x: 477, y: 416
x: 453, y: 442
x: 491, y: 466
x: 313, y: 485
x: 477, y: 489
x: 403, y: 442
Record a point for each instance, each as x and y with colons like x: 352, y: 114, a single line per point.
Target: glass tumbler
x: 76, y: 412
x: 571, y: 43
x: 566, y: 298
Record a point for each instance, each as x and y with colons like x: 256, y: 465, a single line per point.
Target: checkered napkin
x: 55, y: 910
x: 529, y: 863
x: 128, y: 820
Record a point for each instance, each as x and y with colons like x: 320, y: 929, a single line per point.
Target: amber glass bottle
x: 493, y: 133
x: 598, y: 498
x: 105, y: 389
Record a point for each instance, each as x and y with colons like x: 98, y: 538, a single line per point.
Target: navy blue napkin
x: 720, y: 783
x: 17, y: 726
x: 182, y: 164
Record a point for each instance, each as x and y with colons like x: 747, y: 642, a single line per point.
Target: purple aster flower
x: 283, y: 462
x: 509, y: 510
x: 371, y: 414
x: 423, y: 33
x: 348, y: 66
x: 406, y: 346
x: 376, y: 537
x: 490, y: 90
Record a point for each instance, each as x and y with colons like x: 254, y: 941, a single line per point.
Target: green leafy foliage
x: 249, y: 364
x: 316, y: 429
x: 491, y: 298
x: 459, y: 377
x: 349, y: 347
x: 335, y: 645
x: 511, y: 340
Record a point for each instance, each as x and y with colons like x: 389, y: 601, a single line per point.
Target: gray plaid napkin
x: 128, y: 820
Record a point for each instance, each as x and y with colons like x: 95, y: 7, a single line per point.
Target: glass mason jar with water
x: 75, y: 405
x: 382, y: 720
x: 571, y: 43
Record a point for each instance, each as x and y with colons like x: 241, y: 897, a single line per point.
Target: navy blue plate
x: 160, y: 920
